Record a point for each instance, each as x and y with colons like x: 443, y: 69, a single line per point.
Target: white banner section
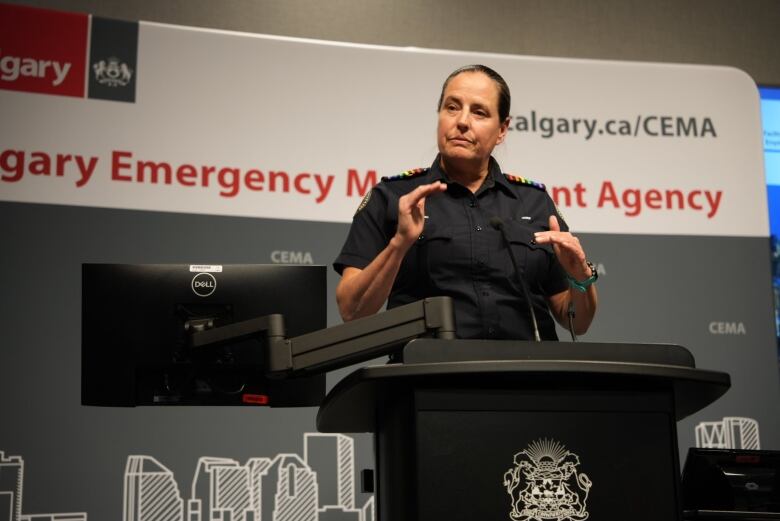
x: 245, y: 125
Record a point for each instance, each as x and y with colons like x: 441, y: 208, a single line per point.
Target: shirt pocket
x: 533, y: 260
x: 443, y: 253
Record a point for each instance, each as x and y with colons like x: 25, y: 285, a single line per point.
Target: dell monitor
x: 138, y: 322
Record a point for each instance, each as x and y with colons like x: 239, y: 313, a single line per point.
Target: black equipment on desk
x: 730, y: 484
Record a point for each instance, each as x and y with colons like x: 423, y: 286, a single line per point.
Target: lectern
x: 506, y: 430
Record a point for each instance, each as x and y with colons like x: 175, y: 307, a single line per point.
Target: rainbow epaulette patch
x: 414, y: 172
x: 523, y: 181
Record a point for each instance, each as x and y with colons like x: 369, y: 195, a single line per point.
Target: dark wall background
x: 742, y: 33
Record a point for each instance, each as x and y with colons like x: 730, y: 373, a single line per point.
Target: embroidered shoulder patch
x: 561, y: 219
x: 409, y: 174
x: 514, y: 179
x: 364, y: 202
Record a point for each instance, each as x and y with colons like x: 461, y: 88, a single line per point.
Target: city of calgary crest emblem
x: 545, y: 484
x: 112, y: 73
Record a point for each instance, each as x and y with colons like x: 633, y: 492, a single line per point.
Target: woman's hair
x: 504, y: 98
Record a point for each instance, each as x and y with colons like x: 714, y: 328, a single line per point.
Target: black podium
x: 505, y: 430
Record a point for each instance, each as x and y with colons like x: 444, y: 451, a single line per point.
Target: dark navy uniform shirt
x: 460, y: 255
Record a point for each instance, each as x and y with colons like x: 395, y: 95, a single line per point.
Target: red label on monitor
x: 746, y: 458
x: 42, y: 51
x: 255, y: 399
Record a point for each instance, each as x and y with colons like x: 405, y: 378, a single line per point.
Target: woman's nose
x: 463, y: 120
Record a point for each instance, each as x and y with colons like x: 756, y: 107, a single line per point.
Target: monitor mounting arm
x: 338, y: 346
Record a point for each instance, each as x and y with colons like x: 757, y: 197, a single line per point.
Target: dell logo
x: 204, y: 284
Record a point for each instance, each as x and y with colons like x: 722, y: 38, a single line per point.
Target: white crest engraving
x: 112, y: 72
x: 545, y: 484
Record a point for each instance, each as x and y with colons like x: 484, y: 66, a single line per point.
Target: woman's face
x: 469, y: 126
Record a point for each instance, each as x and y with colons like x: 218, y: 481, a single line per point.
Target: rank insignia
x: 409, y: 174
x: 514, y: 179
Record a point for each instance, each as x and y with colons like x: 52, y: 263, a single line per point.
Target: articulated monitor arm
x: 370, y: 337
x: 338, y: 346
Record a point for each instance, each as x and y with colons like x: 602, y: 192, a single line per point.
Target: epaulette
x: 414, y: 172
x: 523, y: 181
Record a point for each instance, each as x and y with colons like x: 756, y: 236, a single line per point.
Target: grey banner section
x: 712, y: 295
x: 74, y: 457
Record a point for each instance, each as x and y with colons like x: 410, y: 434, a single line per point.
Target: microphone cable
x: 498, y: 224
x: 570, y: 313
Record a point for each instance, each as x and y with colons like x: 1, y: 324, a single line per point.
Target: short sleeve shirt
x: 459, y: 254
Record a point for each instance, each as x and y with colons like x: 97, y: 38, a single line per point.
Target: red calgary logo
x: 42, y: 51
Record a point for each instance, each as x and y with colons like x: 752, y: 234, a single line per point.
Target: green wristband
x: 583, y: 285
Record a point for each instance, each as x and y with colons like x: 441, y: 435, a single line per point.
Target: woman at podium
x: 492, y: 241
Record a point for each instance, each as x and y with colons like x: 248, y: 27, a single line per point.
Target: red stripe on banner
x: 42, y: 51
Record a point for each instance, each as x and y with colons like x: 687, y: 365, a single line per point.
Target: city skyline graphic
x: 316, y: 486
x: 12, y: 493
x: 732, y: 432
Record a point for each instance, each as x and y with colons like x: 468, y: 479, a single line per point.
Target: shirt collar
x: 495, y: 177
x: 437, y: 174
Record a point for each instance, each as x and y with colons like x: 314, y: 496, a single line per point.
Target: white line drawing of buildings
x: 73, y: 516
x: 11, y: 488
x: 733, y: 432
x: 296, y: 490
x: 285, y: 487
x: 368, y: 512
x: 224, y: 489
x: 11, y: 480
x: 332, y: 457
x: 151, y: 492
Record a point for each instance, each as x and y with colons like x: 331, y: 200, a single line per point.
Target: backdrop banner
x: 145, y: 143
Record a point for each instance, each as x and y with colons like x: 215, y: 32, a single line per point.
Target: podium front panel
x: 555, y: 455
